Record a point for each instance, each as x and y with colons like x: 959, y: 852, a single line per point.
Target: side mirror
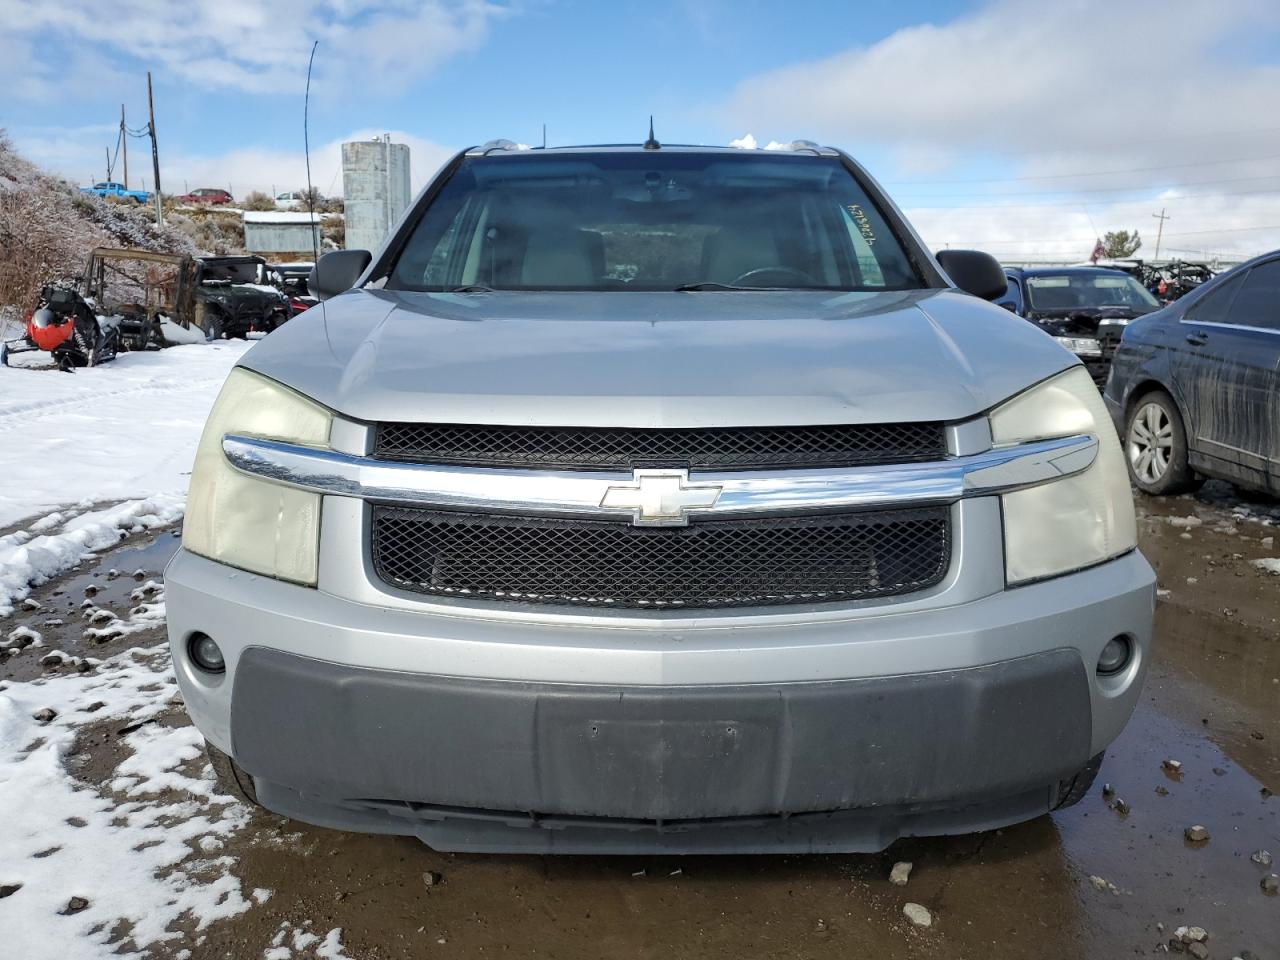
x: 337, y: 272
x: 973, y: 272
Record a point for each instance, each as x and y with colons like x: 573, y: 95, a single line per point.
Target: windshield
x: 1073, y: 291
x: 652, y: 221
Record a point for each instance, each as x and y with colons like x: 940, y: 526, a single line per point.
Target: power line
x: 1136, y: 200
x: 1185, y: 233
x: 1092, y: 173
x: 1074, y: 190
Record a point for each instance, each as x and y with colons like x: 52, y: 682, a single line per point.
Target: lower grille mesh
x: 724, y: 563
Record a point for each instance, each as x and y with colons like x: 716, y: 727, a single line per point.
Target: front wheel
x: 1071, y: 791
x: 1155, y: 445
x: 232, y: 780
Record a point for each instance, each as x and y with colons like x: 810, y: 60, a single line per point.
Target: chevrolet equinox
x: 654, y: 498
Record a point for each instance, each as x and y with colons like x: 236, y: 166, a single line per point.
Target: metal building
x: 375, y: 189
x: 279, y: 231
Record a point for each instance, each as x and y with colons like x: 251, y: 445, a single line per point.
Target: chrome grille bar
x: 583, y: 494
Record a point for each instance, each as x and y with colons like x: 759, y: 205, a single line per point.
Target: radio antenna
x: 651, y: 143
x: 306, y: 149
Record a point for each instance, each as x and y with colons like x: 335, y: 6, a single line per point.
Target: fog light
x: 1115, y: 656
x: 208, y: 655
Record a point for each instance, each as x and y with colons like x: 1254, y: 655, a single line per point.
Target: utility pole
x: 155, y: 152
x: 1160, y: 230
x: 124, y: 146
x: 108, y: 149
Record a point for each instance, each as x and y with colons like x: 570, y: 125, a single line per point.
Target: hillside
x: 48, y: 227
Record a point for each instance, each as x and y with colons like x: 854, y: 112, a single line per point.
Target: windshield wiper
x: 712, y: 285
x: 471, y: 288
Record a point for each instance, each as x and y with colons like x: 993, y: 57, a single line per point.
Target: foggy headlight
x: 1081, y: 346
x: 1077, y: 521
x: 242, y: 521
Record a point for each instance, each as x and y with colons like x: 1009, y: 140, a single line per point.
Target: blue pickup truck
x: 109, y: 188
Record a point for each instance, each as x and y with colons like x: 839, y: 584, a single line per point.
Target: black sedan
x: 1084, y: 308
x: 1195, y: 387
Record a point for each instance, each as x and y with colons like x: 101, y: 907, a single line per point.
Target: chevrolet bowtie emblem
x: 661, y: 498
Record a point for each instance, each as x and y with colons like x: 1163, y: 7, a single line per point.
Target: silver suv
x: 659, y: 498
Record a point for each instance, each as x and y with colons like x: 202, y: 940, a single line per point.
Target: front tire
x: 1074, y: 789
x: 232, y: 780
x: 1155, y: 446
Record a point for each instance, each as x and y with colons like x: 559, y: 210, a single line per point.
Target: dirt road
x: 1090, y: 881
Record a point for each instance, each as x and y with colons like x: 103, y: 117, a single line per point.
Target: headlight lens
x: 1082, y: 346
x: 1076, y: 521
x: 243, y: 521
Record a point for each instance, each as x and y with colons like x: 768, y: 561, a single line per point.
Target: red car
x: 207, y: 195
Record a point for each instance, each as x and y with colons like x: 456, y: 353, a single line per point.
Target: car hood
x: 658, y: 359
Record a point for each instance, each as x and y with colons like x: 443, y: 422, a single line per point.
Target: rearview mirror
x: 337, y: 272
x: 974, y: 272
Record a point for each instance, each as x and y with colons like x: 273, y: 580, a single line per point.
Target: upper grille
x: 725, y: 563
x: 625, y: 448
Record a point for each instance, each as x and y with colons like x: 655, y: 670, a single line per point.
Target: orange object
x: 46, y: 338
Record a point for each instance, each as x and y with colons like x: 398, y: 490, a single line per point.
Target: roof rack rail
x: 500, y: 145
x: 798, y: 145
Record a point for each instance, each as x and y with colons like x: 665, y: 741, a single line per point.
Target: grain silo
x: 375, y: 189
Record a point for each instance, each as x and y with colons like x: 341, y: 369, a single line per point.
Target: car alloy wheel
x: 1150, y: 443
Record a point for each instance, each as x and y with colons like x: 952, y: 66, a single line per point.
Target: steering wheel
x: 782, y: 273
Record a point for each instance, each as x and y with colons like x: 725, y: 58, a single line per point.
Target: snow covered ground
x: 89, y: 869
x: 88, y: 456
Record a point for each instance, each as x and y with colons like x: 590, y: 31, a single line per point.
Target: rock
x: 640, y: 873
x: 1162, y: 791
x: 51, y: 661
x: 1219, y: 772
x: 1199, y: 951
x: 1196, y: 833
x: 139, y: 575
x: 76, y: 904
x: 20, y: 638
x: 9, y: 889
x: 1120, y: 806
x: 93, y: 707
x: 31, y: 604
x: 1196, y: 935
x: 112, y: 573
x: 101, y: 617
x: 1172, y: 766
x: 1108, y: 791
x: 918, y: 915
x: 1257, y: 735
x: 90, y: 590
x: 900, y: 873
x: 432, y: 879
x: 1271, y: 884
x: 45, y: 715
x: 1262, y: 858
x: 1105, y: 885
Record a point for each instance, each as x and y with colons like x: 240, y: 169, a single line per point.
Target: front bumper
x: 867, y: 727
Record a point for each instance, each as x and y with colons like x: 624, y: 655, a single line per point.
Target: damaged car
x: 1085, y: 309
x: 234, y: 298
x: 1195, y: 387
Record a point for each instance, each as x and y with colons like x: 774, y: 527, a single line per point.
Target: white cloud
x: 244, y: 45
x: 1089, y: 86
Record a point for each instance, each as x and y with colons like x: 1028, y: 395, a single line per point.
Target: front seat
x: 563, y: 257
x: 732, y: 251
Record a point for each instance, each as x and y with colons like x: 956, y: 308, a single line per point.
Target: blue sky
x: 1012, y: 123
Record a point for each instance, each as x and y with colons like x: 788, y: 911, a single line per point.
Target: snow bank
x: 123, y: 433
x: 136, y: 850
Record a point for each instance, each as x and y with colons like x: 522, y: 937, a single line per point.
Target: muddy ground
x: 1212, y: 702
